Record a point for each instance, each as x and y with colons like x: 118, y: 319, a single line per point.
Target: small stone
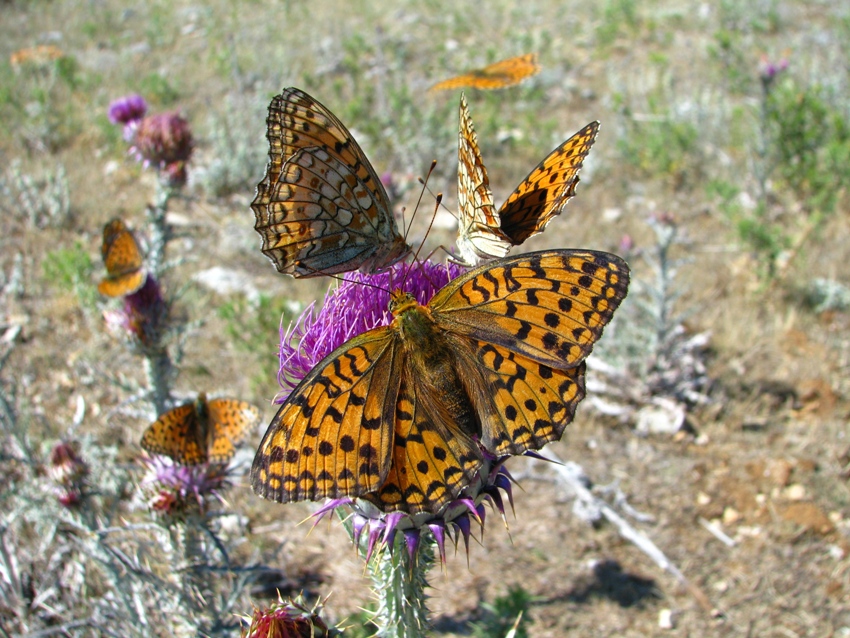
x: 795, y: 492
x: 731, y: 516
x: 703, y: 499
x: 665, y: 619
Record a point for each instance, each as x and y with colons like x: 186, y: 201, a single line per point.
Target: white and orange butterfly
x: 321, y: 208
x: 484, y: 233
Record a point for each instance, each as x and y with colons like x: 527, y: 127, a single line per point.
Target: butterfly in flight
x: 396, y: 415
x: 202, y: 431
x: 485, y: 234
x: 494, y: 76
x: 321, y: 208
x: 123, y: 260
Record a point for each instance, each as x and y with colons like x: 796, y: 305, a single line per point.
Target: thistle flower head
x: 359, y: 304
x: 141, y: 318
x: 770, y: 69
x: 176, y: 491
x: 288, y: 619
x: 68, y: 472
x: 128, y: 109
x: 165, y: 142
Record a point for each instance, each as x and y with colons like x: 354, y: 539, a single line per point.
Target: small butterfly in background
x: 123, y: 260
x: 494, y: 76
x: 321, y: 208
x: 201, y: 431
x: 483, y: 233
x: 396, y: 415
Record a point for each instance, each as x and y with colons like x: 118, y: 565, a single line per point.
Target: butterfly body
x: 485, y: 233
x: 201, y: 431
x: 123, y: 260
x: 398, y: 414
x: 321, y: 208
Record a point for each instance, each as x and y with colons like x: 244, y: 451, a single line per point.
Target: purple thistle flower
x: 769, y: 70
x: 350, y: 310
x: 128, y: 109
x: 174, y: 490
x: 359, y: 304
x: 141, y: 319
x: 165, y: 142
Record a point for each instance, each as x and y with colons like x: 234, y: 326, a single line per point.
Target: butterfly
x: 201, y: 431
x: 123, y: 260
x: 482, y: 233
x: 494, y: 76
x: 321, y: 208
x: 396, y: 415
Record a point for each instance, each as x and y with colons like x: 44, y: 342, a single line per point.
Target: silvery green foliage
x: 43, y: 201
x: 654, y: 370
x: 829, y: 294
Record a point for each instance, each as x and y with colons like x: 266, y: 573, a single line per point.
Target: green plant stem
x: 160, y: 232
x: 399, y: 583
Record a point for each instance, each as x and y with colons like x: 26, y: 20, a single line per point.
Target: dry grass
x: 677, y: 90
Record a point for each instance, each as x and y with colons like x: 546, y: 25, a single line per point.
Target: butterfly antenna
x: 421, y: 194
x: 439, y: 200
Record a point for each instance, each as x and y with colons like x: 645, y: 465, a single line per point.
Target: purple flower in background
x: 165, y: 142
x: 175, y: 491
x: 68, y: 472
x: 128, y: 109
x: 288, y: 619
x: 769, y: 70
x: 359, y: 304
x: 141, y: 319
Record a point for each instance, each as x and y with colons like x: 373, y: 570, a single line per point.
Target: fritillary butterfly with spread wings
x: 201, y: 431
x: 485, y: 234
x: 494, y: 76
x: 321, y: 208
x: 123, y: 260
x: 396, y: 415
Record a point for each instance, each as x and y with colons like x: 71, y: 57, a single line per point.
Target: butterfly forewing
x: 478, y: 232
x: 332, y: 436
x: 550, y: 306
x: 178, y: 434
x: 321, y: 208
x: 547, y: 189
x: 123, y: 260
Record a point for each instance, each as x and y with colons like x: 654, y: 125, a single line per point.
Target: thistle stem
x: 399, y: 583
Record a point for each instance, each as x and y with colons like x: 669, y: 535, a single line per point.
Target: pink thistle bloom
x: 174, y: 491
x: 165, y: 142
x: 68, y: 472
x: 288, y: 619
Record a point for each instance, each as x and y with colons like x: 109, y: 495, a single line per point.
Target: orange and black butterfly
x: 398, y: 414
x: 484, y: 233
x: 494, y: 76
x: 201, y: 431
x: 123, y: 260
x: 321, y: 208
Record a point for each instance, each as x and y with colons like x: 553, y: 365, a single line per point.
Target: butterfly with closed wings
x: 321, y: 208
x: 484, y: 233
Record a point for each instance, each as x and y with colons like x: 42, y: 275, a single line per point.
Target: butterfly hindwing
x: 333, y: 435
x: 123, y: 260
x: 321, y: 208
x: 176, y: 434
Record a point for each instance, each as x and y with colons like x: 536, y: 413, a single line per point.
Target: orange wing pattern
x: 123, y: 260
x: 484, y: 234
x: 494, y: 76
x: 202, y: 431
x: 321, y: 208
x: 392, y: 415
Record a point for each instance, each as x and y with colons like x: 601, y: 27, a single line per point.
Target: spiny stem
x: 399, y: 582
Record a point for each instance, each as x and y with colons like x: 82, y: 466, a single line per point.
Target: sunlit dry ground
x: 763, y: 459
